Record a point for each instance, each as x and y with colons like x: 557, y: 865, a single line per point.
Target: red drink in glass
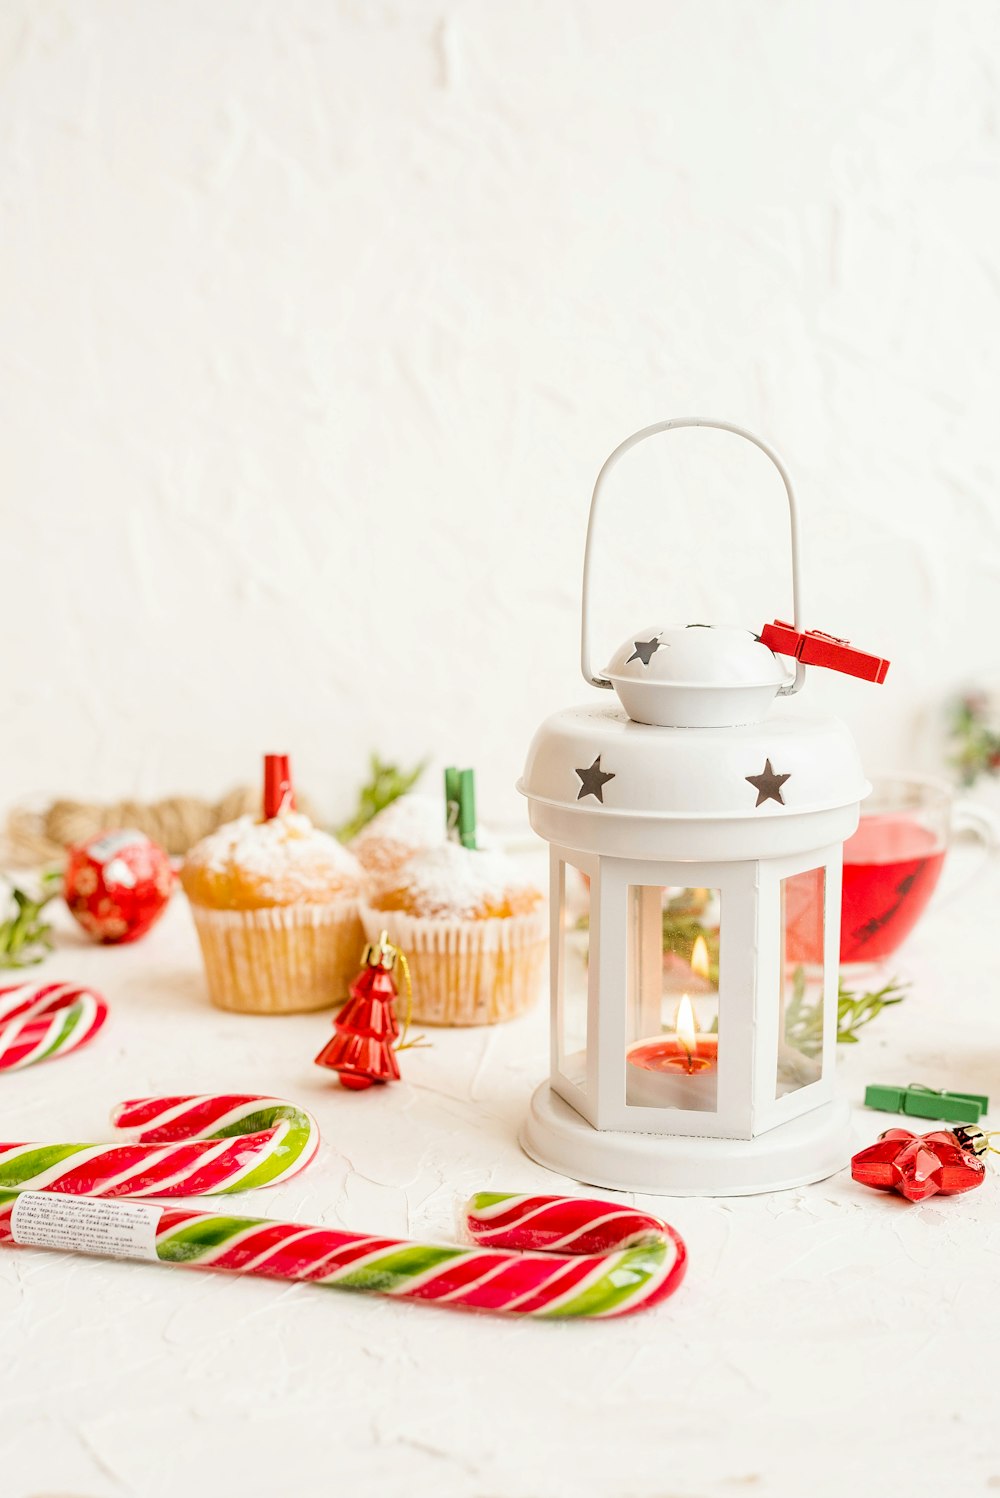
x: 891, y: 867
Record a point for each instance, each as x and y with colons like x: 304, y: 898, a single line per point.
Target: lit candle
x: 675, y: 1071
x: 699, y: 957
x: 692, y: 977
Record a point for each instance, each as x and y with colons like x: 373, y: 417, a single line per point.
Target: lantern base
x: 808, y: 1148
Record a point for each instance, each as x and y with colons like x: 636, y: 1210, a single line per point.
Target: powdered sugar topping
x: 450, y: 880
x: 282, y: 845
x: 413, y: 821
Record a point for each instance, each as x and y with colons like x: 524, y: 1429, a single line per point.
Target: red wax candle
x: 672, y: 1054
x: 685, y: 1064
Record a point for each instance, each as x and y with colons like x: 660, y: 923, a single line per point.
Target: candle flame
x: 699, y: 957
x: 685, y: 1025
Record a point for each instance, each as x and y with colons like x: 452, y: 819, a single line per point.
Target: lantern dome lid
x: 695, y: 676
x: 595, y: 762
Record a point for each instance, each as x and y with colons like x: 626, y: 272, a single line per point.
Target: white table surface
x: 827, y: 1341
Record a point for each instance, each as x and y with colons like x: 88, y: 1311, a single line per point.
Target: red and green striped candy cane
x: 597, y: 1260
x: 42, y: 1020
x: 186, y: 1146
x: 560, y: 1224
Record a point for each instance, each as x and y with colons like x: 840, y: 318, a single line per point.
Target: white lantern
x: 696, y: 849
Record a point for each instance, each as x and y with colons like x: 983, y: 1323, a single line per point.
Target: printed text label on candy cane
x: 109, y: 1229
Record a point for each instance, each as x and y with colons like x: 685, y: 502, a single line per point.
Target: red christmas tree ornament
x: 363, y: 1048
x: 945, y: 1162
x: 117, y: 885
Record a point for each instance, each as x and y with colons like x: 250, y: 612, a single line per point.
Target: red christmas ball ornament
x: 947, y: 1161
x: 363, y: 1048
x: 117, y: 885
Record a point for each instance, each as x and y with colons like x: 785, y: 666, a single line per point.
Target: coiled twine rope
x: 37, y: 836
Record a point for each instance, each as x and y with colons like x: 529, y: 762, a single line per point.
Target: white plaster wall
x: 317, y: 320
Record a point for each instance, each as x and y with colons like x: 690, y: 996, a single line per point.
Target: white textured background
x: 317, y: 320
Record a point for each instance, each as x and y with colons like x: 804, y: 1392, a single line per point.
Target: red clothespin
x: 279, y: 793
x: 814, y: 648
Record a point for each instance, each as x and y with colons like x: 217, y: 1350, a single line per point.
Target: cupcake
x: 407, y: 826
x: 275, y: 904
x: 473, y: 929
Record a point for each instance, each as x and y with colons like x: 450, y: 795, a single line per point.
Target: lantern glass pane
x: 672, y: 1026
x: 802, y: 1017
x: 574, y: 974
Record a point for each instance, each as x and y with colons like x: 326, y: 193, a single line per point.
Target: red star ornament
x: 919, y: 1165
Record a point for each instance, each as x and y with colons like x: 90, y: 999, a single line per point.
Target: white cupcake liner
x: 467, y: 972
x: 280, y: 959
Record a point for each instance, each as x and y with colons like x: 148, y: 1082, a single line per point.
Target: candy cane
x: 40, y: 1020
x: 564, y: 1224
x: 640, y: 1261
x: 187, y: 1146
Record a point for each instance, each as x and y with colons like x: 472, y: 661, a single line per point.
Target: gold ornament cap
x: 976, y: 1141
x: 380, y: 954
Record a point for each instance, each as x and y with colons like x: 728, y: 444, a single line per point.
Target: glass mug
x: 892, y: 865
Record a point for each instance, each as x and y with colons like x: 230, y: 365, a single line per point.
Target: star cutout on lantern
x: 644, y: 651
x: 768, y: 785
x: 593, y: 780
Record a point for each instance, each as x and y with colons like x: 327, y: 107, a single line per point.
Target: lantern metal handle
x: 586, y: 662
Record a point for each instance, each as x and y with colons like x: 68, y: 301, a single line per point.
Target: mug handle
x: 971, y: 816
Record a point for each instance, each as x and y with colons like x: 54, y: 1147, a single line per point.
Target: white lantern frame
x: 750, y: 961
x: 755, y: 1139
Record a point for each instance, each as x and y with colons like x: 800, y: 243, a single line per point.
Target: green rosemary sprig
x: 385, y: 785
x: 975, y: 739
x: 855, y: 1010
x: 25, y: 937
x: 804, y: 1019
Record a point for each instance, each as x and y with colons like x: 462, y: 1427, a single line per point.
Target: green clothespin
x: 919, y: 1101
x: 885, y: 1099
x: 467, y: 808
x: 460, y: 801
x: 451, y: 801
